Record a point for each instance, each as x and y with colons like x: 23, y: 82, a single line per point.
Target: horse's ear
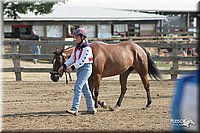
x: 63, y: 48
x: 56, y: 51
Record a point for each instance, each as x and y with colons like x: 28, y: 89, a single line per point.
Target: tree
x: 13, y: 9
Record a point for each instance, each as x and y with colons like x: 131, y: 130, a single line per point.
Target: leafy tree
x: 13, y: 9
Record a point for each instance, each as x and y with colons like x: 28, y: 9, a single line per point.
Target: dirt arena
x: 38, y: 104
x: 41, y: 105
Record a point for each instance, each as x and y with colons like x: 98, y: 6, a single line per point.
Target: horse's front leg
x: 91, y: 85
x: 96, y: 90
x: 94, y: 84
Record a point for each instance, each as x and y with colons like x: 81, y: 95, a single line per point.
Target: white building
x: 100, y: 22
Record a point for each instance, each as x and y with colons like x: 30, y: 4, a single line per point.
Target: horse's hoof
x: 116, y: 108
x: 96, y: 106
x: 147, y: 107
x: 103, y: 105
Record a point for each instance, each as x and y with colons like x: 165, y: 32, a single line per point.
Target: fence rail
x: 173, y: 71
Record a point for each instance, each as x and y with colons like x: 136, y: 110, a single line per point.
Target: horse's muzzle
x: 55, y: 76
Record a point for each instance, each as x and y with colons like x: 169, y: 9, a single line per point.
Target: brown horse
x: 117, y: 59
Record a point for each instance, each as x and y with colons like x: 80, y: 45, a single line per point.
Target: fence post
x: 174, y: 68
x: 16, y: 62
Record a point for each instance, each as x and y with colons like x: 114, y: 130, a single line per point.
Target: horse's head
x: 58, y: 60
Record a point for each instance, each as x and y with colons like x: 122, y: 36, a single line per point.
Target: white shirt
x: 81, y: 57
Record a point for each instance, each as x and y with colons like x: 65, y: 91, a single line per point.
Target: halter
x: 55, y: 73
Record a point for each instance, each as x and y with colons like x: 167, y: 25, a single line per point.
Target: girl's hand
x: 69, y: 70
x: 60, y: 70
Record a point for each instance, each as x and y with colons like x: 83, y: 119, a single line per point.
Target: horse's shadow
x: 47, y: 113
x: 35, y: 114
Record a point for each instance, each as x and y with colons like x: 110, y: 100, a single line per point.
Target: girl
x: 81, y: 59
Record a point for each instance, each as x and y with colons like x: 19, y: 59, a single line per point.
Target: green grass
x: 163, y: 64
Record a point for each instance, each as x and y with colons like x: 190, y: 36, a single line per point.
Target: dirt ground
x: 30, y: 105
x: 38, y: 104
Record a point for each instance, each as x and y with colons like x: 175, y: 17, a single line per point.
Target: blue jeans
x: 81, y: 85
x: 35, y: 50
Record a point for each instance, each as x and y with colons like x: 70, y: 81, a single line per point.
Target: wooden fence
x: 156, y: 42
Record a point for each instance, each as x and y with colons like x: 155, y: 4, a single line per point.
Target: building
x: 100, y: 22
x: 179, y: 22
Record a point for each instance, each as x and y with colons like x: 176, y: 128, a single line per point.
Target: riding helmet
x: 80, y: 32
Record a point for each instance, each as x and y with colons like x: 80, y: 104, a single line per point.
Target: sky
x: 186, y: 5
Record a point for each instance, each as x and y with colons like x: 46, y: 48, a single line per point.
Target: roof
x: 88, y: 14
x: 147, y: 5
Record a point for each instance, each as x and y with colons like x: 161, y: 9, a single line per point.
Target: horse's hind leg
x: 144, y: 77
x: 147, y: 88
x: 123, y: 83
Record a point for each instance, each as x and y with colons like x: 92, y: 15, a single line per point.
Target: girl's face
x: 78, y: 39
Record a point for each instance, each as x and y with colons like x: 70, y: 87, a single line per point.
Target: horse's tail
x: 152, y: 68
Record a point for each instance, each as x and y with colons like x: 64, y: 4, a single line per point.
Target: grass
x: 163, y: 64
